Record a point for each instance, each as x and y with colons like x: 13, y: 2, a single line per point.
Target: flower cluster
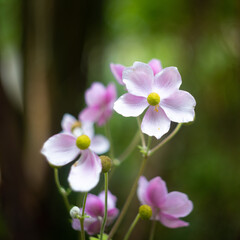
x: 78, y: 137
x: 149, y: 87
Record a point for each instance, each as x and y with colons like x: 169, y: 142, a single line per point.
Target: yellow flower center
x: 154, y: 100
x: 83, y: 142
x: 76, y: 124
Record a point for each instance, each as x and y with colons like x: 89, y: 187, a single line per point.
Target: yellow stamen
x: 156, y: 108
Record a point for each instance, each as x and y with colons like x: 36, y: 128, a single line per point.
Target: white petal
x: 67, y: 122
x: 60, y: 149
x: 155, y: 123
x: 84, y: 174
x: 88, y: 129
x: 179, y: 107
x: 130, y: 106
x: 167, y: 81
x: 99, y: 144
x: 139, y: 79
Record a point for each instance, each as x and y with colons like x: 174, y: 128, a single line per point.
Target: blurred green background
x: 52, y: 50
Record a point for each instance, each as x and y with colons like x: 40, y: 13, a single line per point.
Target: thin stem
x: 168, y: 138
x: 141, y: 134
x: 109, y: 136
x: 149, y: 143
x: 130, y: 147
x: 132, y: 227
x: 105, y: 208
x: 126, y: 153
x: 129, y: 199
x: 82, y: 218
x: 61, y: 190
x: 152, y: 230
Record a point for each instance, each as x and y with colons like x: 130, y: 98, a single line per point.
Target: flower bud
x: 106, y: 163
x: 145, y: 212
x: 75, y: 212
x: 83, y: 142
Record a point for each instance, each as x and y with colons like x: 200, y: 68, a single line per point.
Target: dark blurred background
x: 52, y: 50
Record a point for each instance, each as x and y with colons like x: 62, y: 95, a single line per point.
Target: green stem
x: 132, y: 227
x: 109, y: 136
x: 149, y: 143
x: 61, y: 190
x: 129, y: 199
x: 82, y: 218
x: 152, y: 230
x: 105, y: 208
x: 126, y: 153
x: 130, y: 147
x: 141, y: 134
x: 168, y: 138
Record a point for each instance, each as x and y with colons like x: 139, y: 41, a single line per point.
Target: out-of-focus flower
x: 100, y: 102
x: 64, y: 147
x: 160, y: 94
x: 117, y: 69
x: 95, y: 209
x: 167, y: 207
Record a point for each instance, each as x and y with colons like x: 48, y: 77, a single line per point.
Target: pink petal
x: 111, y: 215
x: 171, y: 222
x: 84, y: 174
x: 110, y: 95
x: 156, y: 66
x: 99, y: 144
x: 139, y: 79
x: 76, y: 224
x: 155, y: 123
x: 111, y: 199
x: 167, y: 81
x: 117, y: 70
x: 104, y: 114
x: 60, y: 149
x: 92, y: 228
x: 179, y: 107
x: 156, y: 192
x: 90, y: 114
x: 177, y: 205
x: 130, y: 106
x: 67, y: 122
x: 94, y: 206
x: 95, y: 94
x: 142, y: 188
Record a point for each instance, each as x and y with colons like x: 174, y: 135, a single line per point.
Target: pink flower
x: 95, y: 209
x: 167, y: 207
x: 100, y: 102
x: 63, y: 148
x: 160, y: 94
x: 117, y: 69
